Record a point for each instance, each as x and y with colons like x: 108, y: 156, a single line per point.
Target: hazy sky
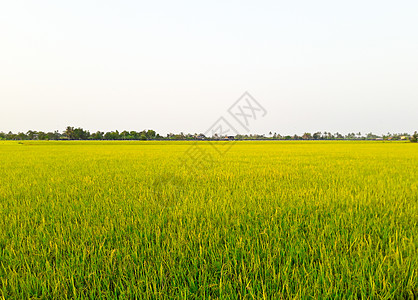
x: 179, y: 65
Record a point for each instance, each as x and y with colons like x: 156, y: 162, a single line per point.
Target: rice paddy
x: 265, y: 220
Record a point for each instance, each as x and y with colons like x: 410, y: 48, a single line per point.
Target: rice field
x: 265, y: 220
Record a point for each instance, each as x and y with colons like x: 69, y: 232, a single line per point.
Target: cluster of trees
x: 71, y: 133
x: 338, y: 136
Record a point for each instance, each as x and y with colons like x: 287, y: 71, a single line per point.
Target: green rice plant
x: 273, y: 220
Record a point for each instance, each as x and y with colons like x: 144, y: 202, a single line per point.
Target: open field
x: 266, y: 220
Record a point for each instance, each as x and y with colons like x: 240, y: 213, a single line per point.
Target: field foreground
x: 263, y: 220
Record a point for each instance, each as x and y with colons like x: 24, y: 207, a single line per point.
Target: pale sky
x: 174, y: 66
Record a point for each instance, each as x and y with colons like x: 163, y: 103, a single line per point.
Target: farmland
x: 263, y: 220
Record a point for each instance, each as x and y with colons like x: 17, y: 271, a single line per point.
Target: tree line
x: 72, y: 133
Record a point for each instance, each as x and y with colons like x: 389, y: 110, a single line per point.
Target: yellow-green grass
x: 266, y: 220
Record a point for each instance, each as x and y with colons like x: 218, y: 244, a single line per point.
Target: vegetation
x: 414, y: 137
x: 72, y: 133
x: 264, y: 220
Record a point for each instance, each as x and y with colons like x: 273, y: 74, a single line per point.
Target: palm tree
x: 69, y: 132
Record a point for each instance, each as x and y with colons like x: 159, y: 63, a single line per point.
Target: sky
x: 178, y: 66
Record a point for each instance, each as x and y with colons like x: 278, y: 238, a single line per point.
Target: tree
x: 10, y: 136
x: 80, y: 134
x: 414, y: 137
x: 21, y: 136
x: 53, y: 135
x: 31, y: 134
x: 97, y: 136
x: 113, y: 135
x: 69, y: 132
x: 42, y: 135
x: 108, y: 136
x: 150, y: 134
x: 350, y: 136
x: 317, y: 135
x: 307, y: 136
x: 339, y: 136
x: 125, y: 135
x: 371, y: 136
